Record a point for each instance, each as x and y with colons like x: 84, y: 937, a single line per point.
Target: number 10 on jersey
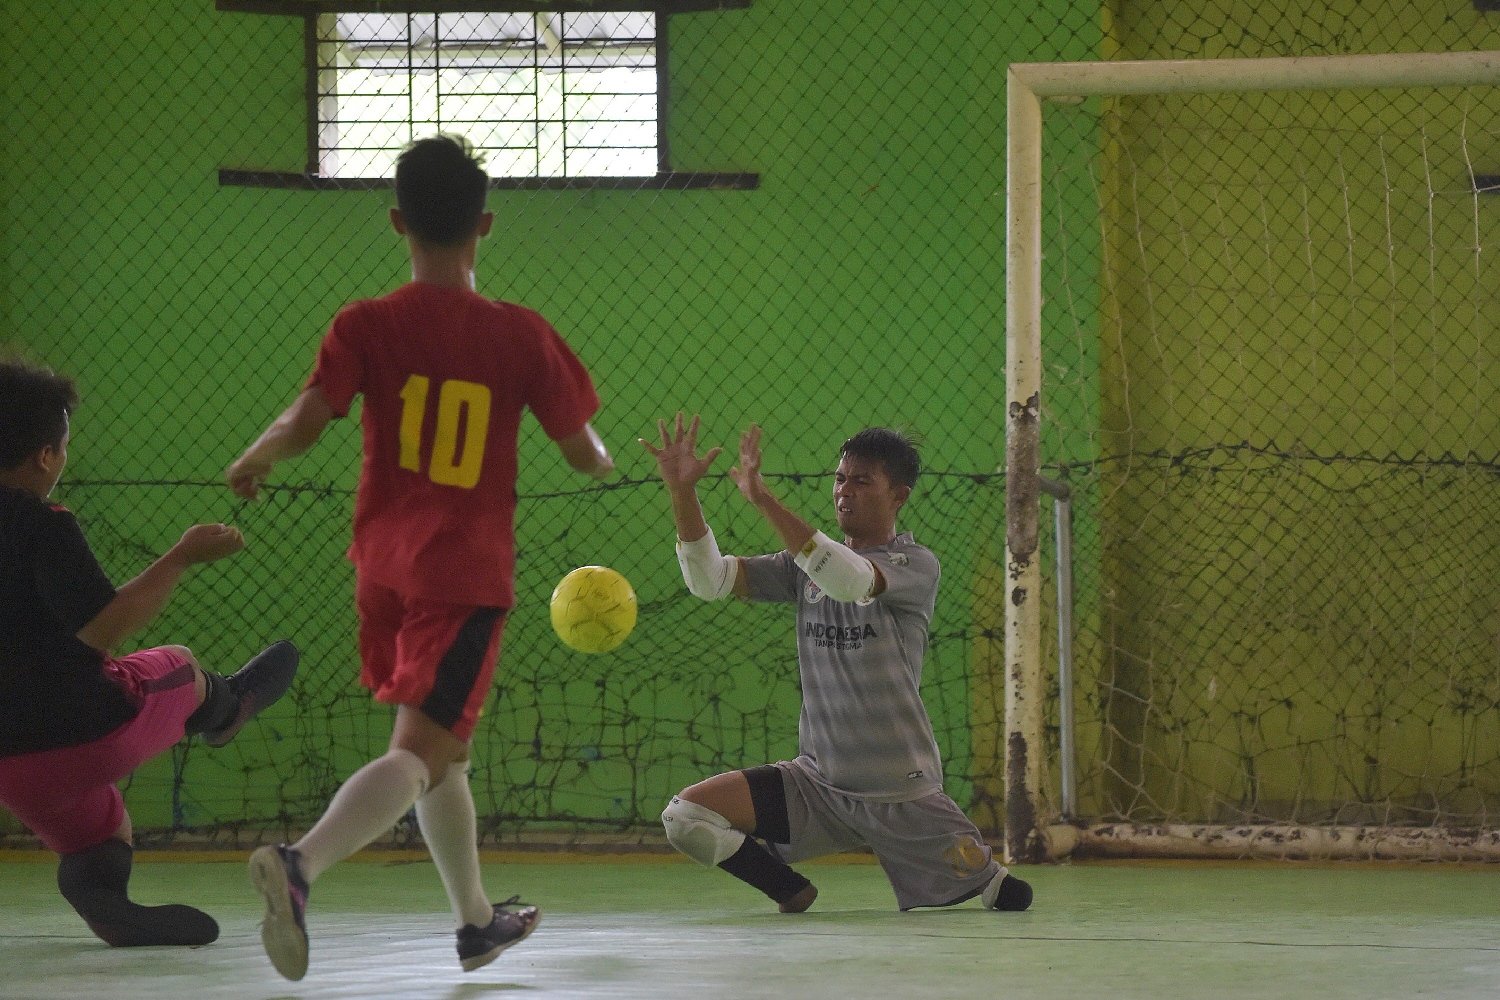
x: 463, y: 422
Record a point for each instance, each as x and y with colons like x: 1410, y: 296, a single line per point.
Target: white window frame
x: 554, y: 93
x: 312, y: 177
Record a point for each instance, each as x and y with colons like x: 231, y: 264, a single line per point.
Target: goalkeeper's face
x: 865, y: 501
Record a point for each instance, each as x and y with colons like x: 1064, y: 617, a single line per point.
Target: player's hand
x: 677, y: 457
x: 206, y: 542
x: 746, y: 474
x: 246, y: 475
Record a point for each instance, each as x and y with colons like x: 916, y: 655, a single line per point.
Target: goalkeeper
x: 867, y: 771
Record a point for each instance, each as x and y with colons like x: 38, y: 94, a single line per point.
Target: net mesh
x: 853, y: 286
x: 1268, y: 395
x: 858, y: 283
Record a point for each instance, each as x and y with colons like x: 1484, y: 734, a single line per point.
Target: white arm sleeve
x: 838, y: 570
x: 707, y: 573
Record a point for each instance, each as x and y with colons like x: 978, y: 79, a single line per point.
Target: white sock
x: 446, y: 817
x: 369, y: 804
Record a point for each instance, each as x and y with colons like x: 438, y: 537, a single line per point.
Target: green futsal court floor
x: 657, y: 928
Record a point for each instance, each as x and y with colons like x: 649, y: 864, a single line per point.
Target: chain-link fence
x: 823, y: 251
x: 851, y: 281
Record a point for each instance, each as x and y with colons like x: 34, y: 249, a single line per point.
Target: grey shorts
x: 933, y: 855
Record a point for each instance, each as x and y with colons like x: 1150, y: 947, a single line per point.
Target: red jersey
x: 445, y: 374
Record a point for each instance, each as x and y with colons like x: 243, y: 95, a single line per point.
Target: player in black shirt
x: 74, y: 719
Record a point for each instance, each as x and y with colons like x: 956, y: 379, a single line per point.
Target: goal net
x: 1251, y: 311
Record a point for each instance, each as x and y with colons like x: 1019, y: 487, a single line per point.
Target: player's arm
x: 838, y: 570
x: 708, y: 573
x: 137, y: 603
x: 294, y: 432
x: 585, y: 452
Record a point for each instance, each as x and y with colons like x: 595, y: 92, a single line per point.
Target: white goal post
x: 1035, y: 828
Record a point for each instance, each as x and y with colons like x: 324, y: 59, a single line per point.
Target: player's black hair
x: 440, y: 189
x: 35, y: 404
x: 892, y: 449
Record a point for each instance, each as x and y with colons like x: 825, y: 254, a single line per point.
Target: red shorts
x: 67, y: 796
x: 430, y: 655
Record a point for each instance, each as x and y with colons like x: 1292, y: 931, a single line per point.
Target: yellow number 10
x: 463, y: 410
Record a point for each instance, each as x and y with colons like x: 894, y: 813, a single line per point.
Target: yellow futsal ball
x: 593, y: 609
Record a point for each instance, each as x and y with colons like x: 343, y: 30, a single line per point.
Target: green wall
x: 859, y: 284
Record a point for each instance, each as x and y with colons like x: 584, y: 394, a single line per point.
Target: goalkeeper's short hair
x: 896, y: 452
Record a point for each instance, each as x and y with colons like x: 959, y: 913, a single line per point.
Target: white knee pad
x: 700, y: 833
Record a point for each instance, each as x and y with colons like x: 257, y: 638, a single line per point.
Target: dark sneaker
x: 257, y: 684
x: 275, y: 874
x: 1006, y: 892
x: 479, y: 946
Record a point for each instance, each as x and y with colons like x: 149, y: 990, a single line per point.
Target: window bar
x: 437, y: 72
x: 565, y: 54
x: 663, y: 155
x: 411, y: 78
x: 536, y: 94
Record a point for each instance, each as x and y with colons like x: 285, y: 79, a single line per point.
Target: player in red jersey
x: 74, y: 719
x: 445, y: 375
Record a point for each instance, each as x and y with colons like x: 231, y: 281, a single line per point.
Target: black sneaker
x: 275, y: 874
x: 1006, y: 892
x: 257, y: 684
x: 479, y: 946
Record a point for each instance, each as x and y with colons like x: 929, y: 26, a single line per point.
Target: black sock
x: 101, y: 869
x: 219, y: 706
x: 94, y: 881
x: 755, y: 865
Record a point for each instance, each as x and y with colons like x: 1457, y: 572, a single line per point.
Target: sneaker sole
x: 284, y: 941
x: 480, y: 961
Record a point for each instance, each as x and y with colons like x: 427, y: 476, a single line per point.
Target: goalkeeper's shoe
x: 257, y: 684
x: 479, y: 946
x: 1006, y: 892
x: 275, y: 872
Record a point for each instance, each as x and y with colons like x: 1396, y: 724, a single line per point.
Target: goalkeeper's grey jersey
x: 863, y: 727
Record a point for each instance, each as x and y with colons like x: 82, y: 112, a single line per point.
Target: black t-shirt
x: 53, y: 690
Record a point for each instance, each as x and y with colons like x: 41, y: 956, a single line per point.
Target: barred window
x: 542, y: 94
